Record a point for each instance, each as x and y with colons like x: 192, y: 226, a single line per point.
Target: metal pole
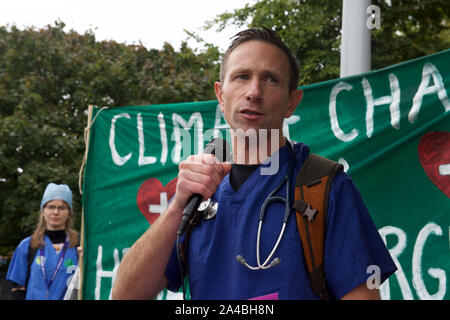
x: 355, y: 43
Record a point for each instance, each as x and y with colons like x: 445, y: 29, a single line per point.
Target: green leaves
x: 48, y: 77
x: 311, y: 28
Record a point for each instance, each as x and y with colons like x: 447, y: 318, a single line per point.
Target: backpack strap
x: 312, y: 188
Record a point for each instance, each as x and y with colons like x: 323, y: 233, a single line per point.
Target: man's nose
x: 254, y: 92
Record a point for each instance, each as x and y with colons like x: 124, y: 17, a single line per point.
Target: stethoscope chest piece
x: 208, y: 208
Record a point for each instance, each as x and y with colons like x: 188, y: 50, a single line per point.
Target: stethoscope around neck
x: 271, y: 198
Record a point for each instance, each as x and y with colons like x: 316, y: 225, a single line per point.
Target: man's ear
x: 294, y: 99
x: 218, y: 90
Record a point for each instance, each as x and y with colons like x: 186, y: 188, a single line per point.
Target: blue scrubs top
x: 37, y: 287
x: 352, y: 242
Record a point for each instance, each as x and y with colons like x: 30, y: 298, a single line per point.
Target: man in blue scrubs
x: 256, y: 92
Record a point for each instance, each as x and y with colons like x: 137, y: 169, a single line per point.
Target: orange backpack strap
x: 312, y: 188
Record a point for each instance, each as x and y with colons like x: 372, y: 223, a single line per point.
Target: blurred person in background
x: 41, y: 265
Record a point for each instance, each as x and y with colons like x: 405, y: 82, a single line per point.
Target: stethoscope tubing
x: 264, y: 266
x: 266, y: 202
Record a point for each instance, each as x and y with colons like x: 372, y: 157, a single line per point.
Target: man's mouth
x: 251, y: 113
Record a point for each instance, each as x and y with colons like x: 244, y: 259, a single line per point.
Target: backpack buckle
x: 305, y: 209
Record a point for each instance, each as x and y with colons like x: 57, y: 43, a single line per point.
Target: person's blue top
x: 37, y: 287
x: 352, y: 242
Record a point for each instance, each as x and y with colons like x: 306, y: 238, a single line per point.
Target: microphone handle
x: 192, y: 205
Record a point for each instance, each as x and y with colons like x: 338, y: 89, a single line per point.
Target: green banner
x: 390, y: 128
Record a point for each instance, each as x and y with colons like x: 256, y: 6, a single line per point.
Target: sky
x: 126, y: 21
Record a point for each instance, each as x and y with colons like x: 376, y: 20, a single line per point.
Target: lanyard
x: 58, y: 266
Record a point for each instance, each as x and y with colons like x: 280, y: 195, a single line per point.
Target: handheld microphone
x: 221, y: 149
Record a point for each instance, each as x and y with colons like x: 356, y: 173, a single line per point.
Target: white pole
x: 355, y: 43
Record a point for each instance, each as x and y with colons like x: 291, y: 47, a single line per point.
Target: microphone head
x: 220, y: 148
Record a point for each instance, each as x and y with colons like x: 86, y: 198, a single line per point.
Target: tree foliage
x: 312, y: 29
x: 48, y: 77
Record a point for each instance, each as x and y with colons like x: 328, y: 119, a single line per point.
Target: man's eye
x: 272, y: 79
x: 241, y: 77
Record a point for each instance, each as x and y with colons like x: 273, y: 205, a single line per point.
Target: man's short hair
x: 266, y: 35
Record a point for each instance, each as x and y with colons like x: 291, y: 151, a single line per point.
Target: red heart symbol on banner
x: 152, y: 197
x: 434, y: 155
